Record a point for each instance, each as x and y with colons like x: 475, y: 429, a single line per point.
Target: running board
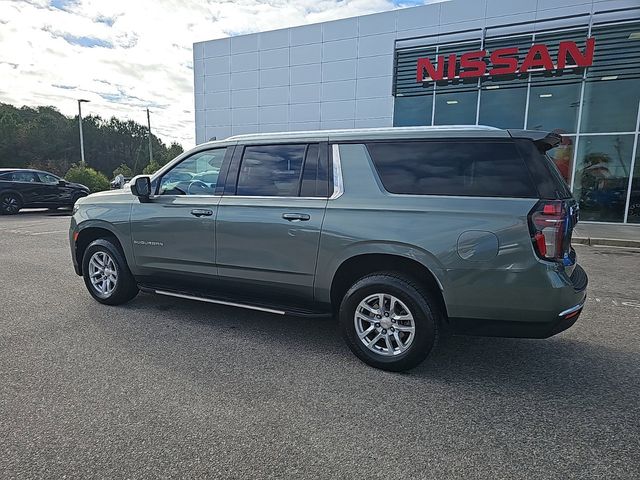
x: 247, y: 306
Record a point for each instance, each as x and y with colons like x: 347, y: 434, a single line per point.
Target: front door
x: 173, y: 234
x: 52, y: 193
x: 269, y: 220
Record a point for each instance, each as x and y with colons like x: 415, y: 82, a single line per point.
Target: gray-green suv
x: 404, y: 233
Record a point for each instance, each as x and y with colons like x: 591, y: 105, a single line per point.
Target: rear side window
x: 24, y: 177
x: 465, y: 168
x: 548, y: 179
x: 271, y: 170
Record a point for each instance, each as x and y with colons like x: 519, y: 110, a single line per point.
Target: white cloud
x: 44, y: 59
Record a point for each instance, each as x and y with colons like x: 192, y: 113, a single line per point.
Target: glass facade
x: 596, y: 109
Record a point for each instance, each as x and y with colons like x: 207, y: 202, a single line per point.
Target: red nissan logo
x: 504, y: 61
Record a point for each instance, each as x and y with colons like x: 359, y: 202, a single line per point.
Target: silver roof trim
x: 455, y: 130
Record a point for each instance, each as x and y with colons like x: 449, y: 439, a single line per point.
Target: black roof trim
x: 543, y: 140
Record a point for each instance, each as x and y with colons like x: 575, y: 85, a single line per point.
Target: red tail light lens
x: 549, y: 226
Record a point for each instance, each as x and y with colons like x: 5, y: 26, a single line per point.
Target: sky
x: 127, y: 55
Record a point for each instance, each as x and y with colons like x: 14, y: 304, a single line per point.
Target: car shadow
x: 561, y: 368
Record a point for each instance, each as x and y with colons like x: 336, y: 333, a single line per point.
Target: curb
x: 609, y: 242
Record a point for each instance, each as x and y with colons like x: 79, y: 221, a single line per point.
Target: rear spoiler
x: 543, y: 140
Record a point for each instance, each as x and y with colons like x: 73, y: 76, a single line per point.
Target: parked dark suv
x: 24, y: 188
x: 403, y: 233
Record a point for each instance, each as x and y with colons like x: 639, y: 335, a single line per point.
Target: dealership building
x: 569, y: 66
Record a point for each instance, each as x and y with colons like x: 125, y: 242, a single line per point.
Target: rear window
x: 465, y: 168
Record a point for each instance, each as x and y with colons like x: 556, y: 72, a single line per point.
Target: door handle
x: 201, y: 212
x: 292, y: 217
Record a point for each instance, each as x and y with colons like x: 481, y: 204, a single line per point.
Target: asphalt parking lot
x: 174, y: 388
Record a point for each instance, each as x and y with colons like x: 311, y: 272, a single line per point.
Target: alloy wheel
x: 384, y: 324
x: 103, y: 274
x: 10, y: 204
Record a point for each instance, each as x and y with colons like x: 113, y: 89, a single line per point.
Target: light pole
x: 149, y: 136
x: 80, y: 125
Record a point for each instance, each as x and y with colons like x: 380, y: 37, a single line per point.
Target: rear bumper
x: 545, y: 325
x: 509, y: 329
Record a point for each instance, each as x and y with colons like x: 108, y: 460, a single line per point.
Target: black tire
x: 421, y: 304
x: 10, y: 204
x: 125, y: 286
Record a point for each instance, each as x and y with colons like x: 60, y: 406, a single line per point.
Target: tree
x: 87, y: 176
x: 123, y: 170
x: 151, y: 168
x: 44, y: 138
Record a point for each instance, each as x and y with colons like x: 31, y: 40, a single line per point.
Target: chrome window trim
x: 338, y: 184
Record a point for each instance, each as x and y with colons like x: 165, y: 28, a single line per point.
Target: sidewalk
x: 614, y: 235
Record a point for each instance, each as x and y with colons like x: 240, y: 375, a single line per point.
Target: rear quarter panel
x: 486, y: 273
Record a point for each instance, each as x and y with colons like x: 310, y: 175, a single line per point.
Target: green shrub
x: 151, y: 168
x: 123, y: 170
x: 87, y: 176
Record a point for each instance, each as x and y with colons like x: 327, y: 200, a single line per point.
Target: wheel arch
x: 358, y: 265
x: 14, y: 192
x: 92, y: 232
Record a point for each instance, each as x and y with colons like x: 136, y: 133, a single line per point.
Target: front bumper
x: 73, y: 231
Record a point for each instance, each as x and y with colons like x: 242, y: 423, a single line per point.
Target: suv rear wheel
x: 389, y: 321
x: 106, y: 273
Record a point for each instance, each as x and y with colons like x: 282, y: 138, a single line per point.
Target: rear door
x: 269, y: 219
x: 26, y: 183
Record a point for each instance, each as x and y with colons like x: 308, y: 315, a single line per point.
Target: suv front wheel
x: 106, y: 273
x: 389, y: 321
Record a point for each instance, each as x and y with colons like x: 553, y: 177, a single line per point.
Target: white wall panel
x: 332, y: 91
x: 244, y: 98
x: 306, y: 34
x: 273, y: 39
x: 344, y: 110
x: 378, y: 23
x: 273, y: 114
x: 305, y: 54
x: 339, y: 50
x: 243, y: 62
x: 216, y: 83
x: 340, y: 70
x: 340, y: 29
x: 244, y: 80
x: 244, y: 44
x: 217, y: 65
x: 306, y: 93
x: 274, y: 77
x: 273, y: 96
x: 306, y: 74
x: 274, y: 58
x: 304, y: 112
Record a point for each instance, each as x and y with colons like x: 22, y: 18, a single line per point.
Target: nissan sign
x: 504, y: 61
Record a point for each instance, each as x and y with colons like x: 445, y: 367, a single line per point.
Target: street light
x: 80, y: 124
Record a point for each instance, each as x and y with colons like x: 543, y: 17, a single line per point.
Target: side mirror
x: 62, y: 182
x: 141, y: 187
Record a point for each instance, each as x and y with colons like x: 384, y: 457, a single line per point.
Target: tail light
x: 551, y: 224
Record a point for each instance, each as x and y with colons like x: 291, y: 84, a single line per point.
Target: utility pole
x: 149, y: 125
x: 80, y: 101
